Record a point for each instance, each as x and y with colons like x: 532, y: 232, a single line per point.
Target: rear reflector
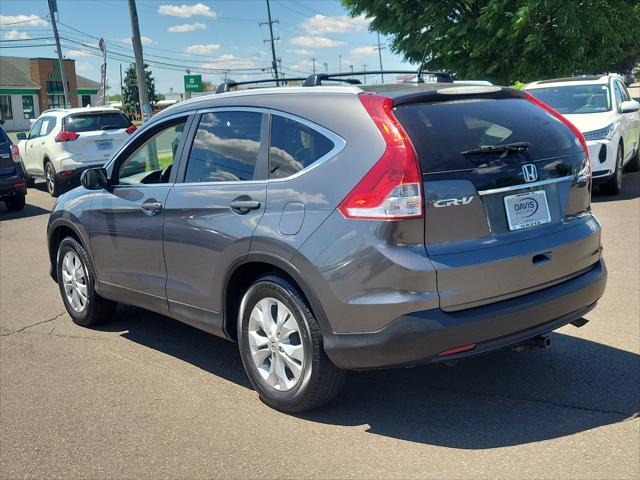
x: 66, y: 136
x: 463, y: 348
x: 392, y: 189
x: 15, y: 153
x: 131, y: 129
x: 20, y: 184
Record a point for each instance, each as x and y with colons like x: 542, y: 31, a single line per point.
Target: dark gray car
x: 331, y: 228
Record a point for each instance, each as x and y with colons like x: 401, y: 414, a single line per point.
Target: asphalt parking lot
x: 147, y: 397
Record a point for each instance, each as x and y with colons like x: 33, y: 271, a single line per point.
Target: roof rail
x: 227, y: 86
x: 317, y: 78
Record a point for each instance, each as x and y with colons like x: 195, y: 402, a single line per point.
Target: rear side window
x: 3, y: 137
x: 225, y: 147
x: 444, y: 133
x: 88, y: 122
x: 294, y: 146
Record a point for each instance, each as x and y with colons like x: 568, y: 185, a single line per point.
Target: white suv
x: 603, y: 110
x: 64, y: 142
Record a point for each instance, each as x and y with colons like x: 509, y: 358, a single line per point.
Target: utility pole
x: 53, y: 8
x: 365, y: 73
x: 340, y: 63
x: 326, y: 67
x: 121, y: 80
x: 380, y: 58
x: 314, y: 65
x: 351, y: 67
x: 143, y: 94
x: 274, y: 62
x: 187, y: 95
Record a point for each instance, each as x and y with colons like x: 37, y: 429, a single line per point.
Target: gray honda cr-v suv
x: 330, y: 228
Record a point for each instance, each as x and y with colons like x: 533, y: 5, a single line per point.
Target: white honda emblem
x: 530, y: 172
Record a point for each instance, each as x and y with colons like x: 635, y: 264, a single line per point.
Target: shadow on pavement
x: 498, y: 400
x: 28, y: 211
x: 630, y: 190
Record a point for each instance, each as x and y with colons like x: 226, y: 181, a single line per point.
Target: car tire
x: 614, y: 185
x: 16, y: 202
x: 76, y: 273
x: 282, y: 351
x: 634, y: 163
x: 53, y: 187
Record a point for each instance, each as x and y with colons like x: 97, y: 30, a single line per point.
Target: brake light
x: 392, y: 189
x: 131, y: 129
x: 15, y: 153
x: 66, y: 136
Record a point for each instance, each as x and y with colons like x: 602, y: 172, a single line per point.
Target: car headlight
x: 603, y: 134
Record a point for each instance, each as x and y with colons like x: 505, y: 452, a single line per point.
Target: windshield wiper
x: 505, y: 147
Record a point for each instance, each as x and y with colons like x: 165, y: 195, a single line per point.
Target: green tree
x: 509, y: 40
x: 130, y: 97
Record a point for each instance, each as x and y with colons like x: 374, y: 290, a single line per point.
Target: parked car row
x: 13, y: 183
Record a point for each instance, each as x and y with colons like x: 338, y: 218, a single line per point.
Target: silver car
x: 333, y: 228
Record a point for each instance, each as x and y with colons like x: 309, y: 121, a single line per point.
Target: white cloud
x: 84, y: 66
x: 202, y: 49
x: 363, y: 51
x: 229, y: 61
x: 15, y: 35
x: 186, y: 11
x: 322, y: 24
x: 317, y: 42
x: 301, y: 51
x: 144, y: 40
x: 23, y: 20
x: 77, y: 53
x: 304, y: 65
x: 187, y: 27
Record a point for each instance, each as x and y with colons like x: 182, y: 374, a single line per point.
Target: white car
x: 64, y: 142
x: 602, y: 109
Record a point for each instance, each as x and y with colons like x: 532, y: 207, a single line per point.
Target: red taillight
x: 20, y: 185
x: 66, y: 136
x: 560, y: 117
x: 131, y: 129
x: 15, y: 153
x: 463, y: 348
x: 392, y: 189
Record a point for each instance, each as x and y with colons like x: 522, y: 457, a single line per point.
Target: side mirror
x: 21, y: 136
x: 629, y: 106
x: 94, y: 179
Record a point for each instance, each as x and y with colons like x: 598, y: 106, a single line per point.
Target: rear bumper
x: 12, y: 184
x: 421, y: 336
x: 71, y: 178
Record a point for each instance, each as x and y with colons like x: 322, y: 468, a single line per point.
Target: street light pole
x: 143, y: 94
x: 53, y: 8
x: 340, y: 63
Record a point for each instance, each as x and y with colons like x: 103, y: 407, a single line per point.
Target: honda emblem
x: 530, y: 172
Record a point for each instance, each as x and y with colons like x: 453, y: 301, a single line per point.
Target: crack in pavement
x: 33, y: 325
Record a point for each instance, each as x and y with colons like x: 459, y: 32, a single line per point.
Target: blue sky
x: 203, y: 35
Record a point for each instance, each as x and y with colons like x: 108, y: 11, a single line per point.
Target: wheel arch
x: 58, y: 231
x: 244, y: 272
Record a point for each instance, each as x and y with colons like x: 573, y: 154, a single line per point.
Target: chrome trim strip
x: 525, y: 185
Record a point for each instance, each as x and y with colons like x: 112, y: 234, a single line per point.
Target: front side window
x: 27, y: 106
x: 618, y: 93
x: 225, y: 147
x: 6, y: 113
x: 294, y: 146
x: 35, y: 129
x: 152, y: 161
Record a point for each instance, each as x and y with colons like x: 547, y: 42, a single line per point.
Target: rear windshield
x: 87, y: 122
x: 446, y: 135
x: 575, y: 99
x: 3, y: 137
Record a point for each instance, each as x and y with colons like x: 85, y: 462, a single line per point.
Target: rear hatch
x: 99, y: 135
x: 7, y: 165
x: 507, y: 190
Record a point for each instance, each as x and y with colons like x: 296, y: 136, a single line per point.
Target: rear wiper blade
x: 505, y: 147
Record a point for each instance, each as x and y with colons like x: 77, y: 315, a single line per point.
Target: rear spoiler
x: 458, y: 92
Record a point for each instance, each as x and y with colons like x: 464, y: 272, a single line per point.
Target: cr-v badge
x: 452, y: 202
x: 530, y: 172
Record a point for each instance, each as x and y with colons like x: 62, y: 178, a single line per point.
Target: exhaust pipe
x: 535, y: 343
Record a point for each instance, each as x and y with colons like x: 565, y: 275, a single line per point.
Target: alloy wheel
x: 74, y: 279
x: 50, y: 178
x: 275, y: 344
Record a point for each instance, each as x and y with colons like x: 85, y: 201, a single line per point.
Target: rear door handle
x: 151, y: 207
x: 245, y: 205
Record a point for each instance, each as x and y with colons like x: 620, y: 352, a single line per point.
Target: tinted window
x: 87, y: 122
x: 294, y: 146
x: 225, y: 147
x: 152, y: 161
x: 575, y: 99
x: 442, y: 133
